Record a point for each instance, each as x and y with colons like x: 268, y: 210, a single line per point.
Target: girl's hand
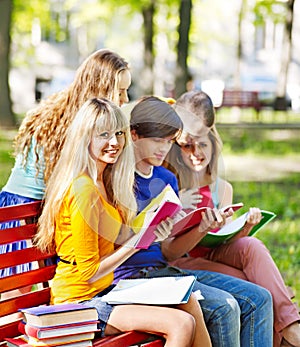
x: 190, y: 198
x: 163, y: 230
x: 254, y: 217
x: 212, y: 219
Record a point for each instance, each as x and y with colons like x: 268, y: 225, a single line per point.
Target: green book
x: 229, y: 230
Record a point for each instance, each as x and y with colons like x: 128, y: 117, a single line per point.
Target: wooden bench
x: 39, y: 277
x: 242, y: 99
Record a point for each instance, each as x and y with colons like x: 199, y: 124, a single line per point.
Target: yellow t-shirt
x: 85, y: 231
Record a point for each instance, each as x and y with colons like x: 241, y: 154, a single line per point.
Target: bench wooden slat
x: 27, y: 278
x: 36, y: 298
x: 10, y: 330
x: 39, y: 277
x: 23, y: 232
x: 22, y: 256
x: 127, y: 339
x: 22, y: 211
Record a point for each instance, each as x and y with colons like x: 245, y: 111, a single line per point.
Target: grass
x: 280, y: 195
x: 277, y: 188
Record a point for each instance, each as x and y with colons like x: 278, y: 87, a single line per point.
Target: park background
x: 173, y: 46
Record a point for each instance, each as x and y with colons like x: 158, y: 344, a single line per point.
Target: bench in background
x: 39, y: 277
x: 242, y: 99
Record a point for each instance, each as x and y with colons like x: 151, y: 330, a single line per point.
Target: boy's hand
x: 163, y: 230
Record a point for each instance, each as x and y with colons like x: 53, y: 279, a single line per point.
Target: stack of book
x: 68, y: 325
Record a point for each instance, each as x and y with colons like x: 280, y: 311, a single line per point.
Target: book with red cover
x: 61, y: 314
x: 16, y: 342
x: 194, y: 218
x: 164, y: 205
x: 55, y: 331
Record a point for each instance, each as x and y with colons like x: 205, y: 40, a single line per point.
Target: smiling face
x: 106, y: 147
x: 196, y: 152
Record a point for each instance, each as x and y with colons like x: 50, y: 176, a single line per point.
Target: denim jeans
x: 237, y: 313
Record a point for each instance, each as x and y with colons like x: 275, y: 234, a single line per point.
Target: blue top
x: 24, y: 180
x: 146, y: 190
x: 215, y: 195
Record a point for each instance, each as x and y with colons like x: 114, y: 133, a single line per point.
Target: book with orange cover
x: 21, y: 342
x: 194, y: 217
x: 59, y: 340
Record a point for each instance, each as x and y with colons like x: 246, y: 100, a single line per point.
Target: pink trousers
x: 249, y: 259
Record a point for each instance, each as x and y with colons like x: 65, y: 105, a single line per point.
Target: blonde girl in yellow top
x: 89, y: 199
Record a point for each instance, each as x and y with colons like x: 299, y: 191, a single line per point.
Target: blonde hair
x: 75, y: 160
x: 98, y: 76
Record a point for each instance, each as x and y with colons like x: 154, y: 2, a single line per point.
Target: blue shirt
x: 146, y: 190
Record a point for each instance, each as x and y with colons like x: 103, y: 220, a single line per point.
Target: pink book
x: 164, y: 205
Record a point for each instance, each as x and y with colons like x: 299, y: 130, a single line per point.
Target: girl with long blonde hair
x: 42, y: 133
x: 89, y: 198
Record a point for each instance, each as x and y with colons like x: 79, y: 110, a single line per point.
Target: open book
x: 194, y: 218
x: 229, y: 230
x: 152, y: 291
x: 164, y: 205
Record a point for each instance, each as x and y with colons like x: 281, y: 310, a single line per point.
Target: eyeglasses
x: 192, y: 146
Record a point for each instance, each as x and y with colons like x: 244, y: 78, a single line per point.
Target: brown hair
x: 153, y: 117
x: 96, y: 77
x: 200, y: 104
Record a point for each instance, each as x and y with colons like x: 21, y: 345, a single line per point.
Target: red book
x: 164, y: 205
x: 55, y: 331
x: 194, y: 218
x: 16, y: 341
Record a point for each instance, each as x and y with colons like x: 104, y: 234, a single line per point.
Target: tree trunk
x: 148, y: 15
x: 280, y: 101
x: 7, y: 118
x: 237, y: 75
x: 182, y: 74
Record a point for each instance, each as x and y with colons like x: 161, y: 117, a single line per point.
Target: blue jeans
x: 237, y: 313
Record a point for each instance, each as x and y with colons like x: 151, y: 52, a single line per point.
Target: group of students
x: 96, y: 169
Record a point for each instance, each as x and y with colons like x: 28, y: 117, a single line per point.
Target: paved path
x: 255, y: 168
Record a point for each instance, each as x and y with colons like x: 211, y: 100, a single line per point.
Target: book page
x: 151, y: 291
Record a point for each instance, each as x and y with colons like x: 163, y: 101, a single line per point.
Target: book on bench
x: 54, y: 315
x: 224, y: 234
x: 21, y: 342
x: 57, y: 330
x: 152, y: 291
x: 59, y: 340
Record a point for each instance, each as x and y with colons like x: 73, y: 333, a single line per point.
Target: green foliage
x: 263, y: 142
x: 273, y: 9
